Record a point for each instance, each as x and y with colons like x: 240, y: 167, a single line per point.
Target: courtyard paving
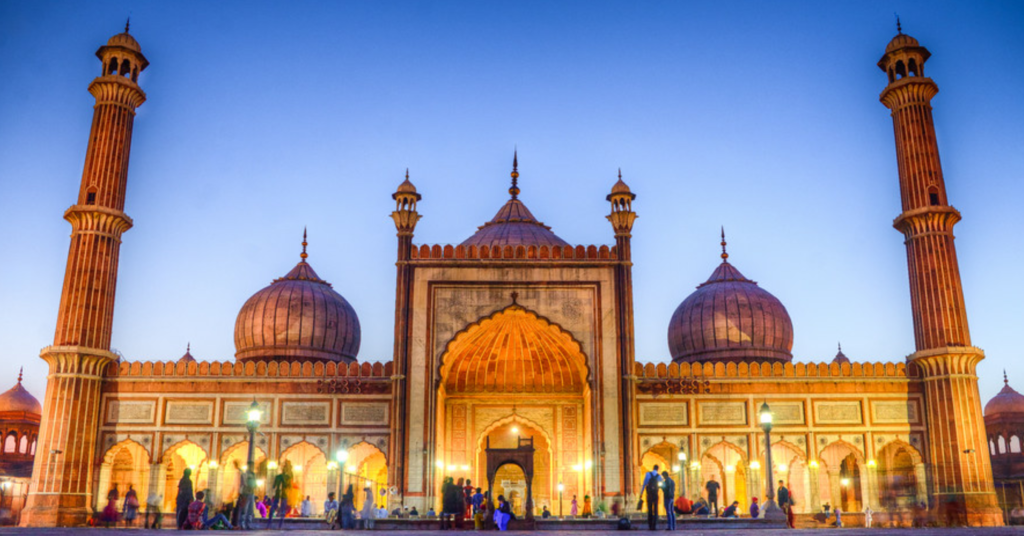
x: 859, y: 531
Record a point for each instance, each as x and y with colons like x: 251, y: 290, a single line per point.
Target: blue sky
x: 264, y: 117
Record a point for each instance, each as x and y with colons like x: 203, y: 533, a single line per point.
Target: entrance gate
x: 522, y: 457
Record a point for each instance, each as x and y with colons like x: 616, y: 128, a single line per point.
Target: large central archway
x: 514, y: 373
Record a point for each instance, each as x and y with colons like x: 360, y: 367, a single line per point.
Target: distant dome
x: 514, y: 225
x: 124, y: 40
x: 1006, y: 401
x: 900, y: 41
x: 406, y: 187
x: 729, y: 318
x: 18, y: 399
x: 187, y: 358
x: 840, y: 357
x: 298, y: 317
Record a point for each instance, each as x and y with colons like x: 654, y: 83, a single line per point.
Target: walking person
x: 131, y: 506
x: 110, y: 512
x: 574, y: 507
x: 154, y: 506
x: 246, y: 499
x: 184, y: 498
x: 712, y: 488
x: 650, y: 487
x: 668, y: 491
x: 282, y: 483
x: 348, y: 509
x: 367, y: 513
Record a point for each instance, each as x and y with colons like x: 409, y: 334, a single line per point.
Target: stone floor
x: 1015, y: 531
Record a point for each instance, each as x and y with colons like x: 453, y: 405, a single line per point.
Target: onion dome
x: 124, y: 40
x: 514, y: 225
x: 406, y: 187
x: 298, y: 317
x: 620, y: 188
x: 187, y: 358
x: 840, y: 357
x: 729, y: 318
x: 17, y: 399
x: 1006, y: 401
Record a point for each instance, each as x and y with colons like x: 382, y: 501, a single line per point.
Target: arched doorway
x: 518, y: 492
x: 842, y: 483
x: 366, y: 468
x: 516, y: 374
x: 308, y: 465
x: 506, y: 434
x: 728, y: 465
x: 126, y: 465
x: 789, y: 466
x: 184, y: 455
x: 898, y: 480
x: 233, y: 463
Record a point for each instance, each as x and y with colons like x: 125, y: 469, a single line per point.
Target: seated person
x: 414, y: 512
x: 431, y: 513
x: 683, y: 506
x: 397, y: 512
x: 545, y: 513
x: 198, y: 515
x: 755, y: 509
x: 700, y: 507
x: 731, y: 511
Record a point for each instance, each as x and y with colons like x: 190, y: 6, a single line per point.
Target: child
x: 755, y: 510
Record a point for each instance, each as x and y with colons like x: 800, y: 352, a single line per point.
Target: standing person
x: 306, y: 507
x: 282, y: 483
x: 468, y: 498
x: 110, y: 512
x: 668, y: 496
x: 460, y: 503
x: 348, y: 509
x: 451, y: 503
x: 246, y: 499
x: 154, y: 505
x: 587, y: 511
x: 367, y: 512
x: 784, y: 496
x: 712, y: 488
x: 839, y: 516
x: 478, y: 500
x: 131, y: 506
x: 184, y: 498
x: 867, y: 516
x: 650, y: 487
x: 574, y: 507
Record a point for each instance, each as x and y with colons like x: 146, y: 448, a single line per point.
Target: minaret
x: 961, y: 479
x: 62, y: 480
x: 622, y: 218
x: 405, y: 217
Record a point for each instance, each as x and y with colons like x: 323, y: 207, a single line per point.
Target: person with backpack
x: 650, y: 487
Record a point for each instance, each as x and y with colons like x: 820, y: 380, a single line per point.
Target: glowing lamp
x: 844, y: 482
x: 755, y: 465
x: 465, y: 468
x: 813, y: 464
x: 871, y: 463
x: 260, y: 482
x: 440, y: 464
x: 297, y: 468
x: 213, y: 464
x: 682, y: 456
x: 729, y: 468
x: 271, y: 465
x: 342, y: 456
x: 676, y: 468
x: 515, y: 429
x: 331, y: 466
x: 695, y: 465
x: 783, y: 468
x: 561, y: 487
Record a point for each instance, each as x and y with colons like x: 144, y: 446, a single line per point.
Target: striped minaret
x: 62, y: 479
x: 962, y: 489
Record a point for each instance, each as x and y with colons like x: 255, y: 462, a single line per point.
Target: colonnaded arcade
x: 511, y: 333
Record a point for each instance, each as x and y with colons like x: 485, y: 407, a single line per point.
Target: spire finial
x: 514, y: 190
x: 1006, y: 381
x: 899, y: 28
x: 725, y: 256
x: 304, y: 244
x: 21, y: 372
x: 840, y: 347
x: 620, y: 174
x: 406, y: 173
x: 127, y: 23
x: 188, y: 348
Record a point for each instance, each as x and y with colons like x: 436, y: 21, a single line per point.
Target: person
x: 668, y: 491
x: 347, y: 509
x: 131, y: 506
x: 306, y: 507
x: 587, y: 511
x: 382, y: 512
x: 330, y: 509
x: 502, y: 514
x: 263, y: 506
x: 194, y: 513
x: 154, y: 504
x: 246, y: 499
x: 867, y: 516
x: 203, y: 519
x: 783, y: 496
x: 650, y: 487
x: 683, y: 506
x: 545, y: 513
x: 367, y: 512
x: 712, y: 488
x: 574, y: 507
x: 110, y: 512
x: 790, y: 515
x: 184, y: 498
x: 700, y: 507
x: 839, y: 516
x: 431, y: 514
x: 478, y: 500
x: 755, y: 510
x: 468, y: 498
x: 414, y: 512
x: 451, y: 502
x: 731, y: 510
x: 282, y: 483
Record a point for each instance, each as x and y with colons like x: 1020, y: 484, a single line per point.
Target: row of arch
x: 839, y: 476
x: 308, y: 369
x: 313, y: 473
x: 903, y: 69
x: 19, y: 443
x: 122, y: 67
x: 662, y: 371
x: 1000, y: 445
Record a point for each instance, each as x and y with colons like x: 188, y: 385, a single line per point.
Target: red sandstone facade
x: 514, y: 332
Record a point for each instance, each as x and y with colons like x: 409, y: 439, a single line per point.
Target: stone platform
x: 724, y: 531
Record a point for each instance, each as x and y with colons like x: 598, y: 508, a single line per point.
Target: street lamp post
x: 342, y: 457
x: 771, y: 509
x: 682, y: 474
x: 252, y: 422
x: 561, y: 506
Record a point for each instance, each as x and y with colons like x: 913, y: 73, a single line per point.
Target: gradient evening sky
x: 266, y: 117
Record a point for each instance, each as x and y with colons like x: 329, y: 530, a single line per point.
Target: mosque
x: 514, y: 366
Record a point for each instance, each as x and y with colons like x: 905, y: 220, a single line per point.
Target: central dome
x: 298, y: 317
x: 731, y: 319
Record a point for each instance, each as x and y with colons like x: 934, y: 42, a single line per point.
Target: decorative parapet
x: 544, y: 253
x: 249, y: 369
x: 666, y: 371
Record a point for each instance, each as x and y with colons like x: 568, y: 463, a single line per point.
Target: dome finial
x: 127, y: 23
x: 304, y: 244
x: 840, y: 347
x: 188, y: 347
x: 725, y: 255
x: 406, y: 173
x: 514, y: 190
x: 899, y: 28
x: 1006, y: 381
x: 21, y: 372
x: 620, y: 174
